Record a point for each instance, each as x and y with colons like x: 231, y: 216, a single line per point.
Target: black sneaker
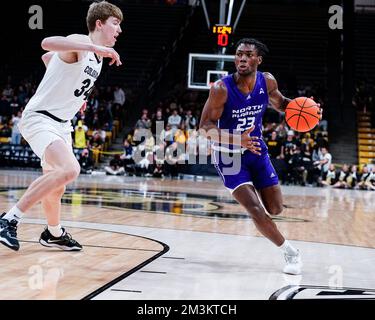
x: 64, y: 242
x: 8, y: 233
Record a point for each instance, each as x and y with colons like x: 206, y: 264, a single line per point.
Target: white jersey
x: 65, y: 86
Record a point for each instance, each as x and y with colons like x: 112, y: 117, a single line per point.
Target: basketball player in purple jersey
x: 234, y: 111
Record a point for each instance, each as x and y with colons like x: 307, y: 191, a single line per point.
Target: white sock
x: 56, y: 231
x: 14, y: 214
x: 287, y: 248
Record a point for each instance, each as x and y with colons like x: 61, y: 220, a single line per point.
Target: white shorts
x: 40, y: 131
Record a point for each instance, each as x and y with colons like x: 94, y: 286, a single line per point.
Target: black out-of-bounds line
x: 128, y: 273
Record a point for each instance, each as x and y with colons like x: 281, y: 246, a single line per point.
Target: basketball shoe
x: 64, y: 242
x: 8, y: 233
x: 293, y: 264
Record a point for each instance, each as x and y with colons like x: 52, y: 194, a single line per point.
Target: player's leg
x: 266, y: 183
x: 65, y: 169
x: 247, y: 197
x: 54, y: 235
x: 52, y: 205
x: 272, y: 199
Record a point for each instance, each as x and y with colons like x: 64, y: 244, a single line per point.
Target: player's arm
x: 212, y: 112
x: 276, y: 98
x: 75, y: 46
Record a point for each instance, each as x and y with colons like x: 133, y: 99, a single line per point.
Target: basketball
x: 301, y: 114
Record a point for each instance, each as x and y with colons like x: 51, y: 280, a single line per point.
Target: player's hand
x: 320, y: 112
x: 108, y: 53
x: 250, y: 143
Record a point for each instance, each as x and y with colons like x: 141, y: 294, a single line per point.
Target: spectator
x: 119, y: 100
x: 157, y: 118
x: 288, y: 146
x: 298, y: 171
x: 80, y: 136
x: 173, y: 158
x: 101, y: 132
x: 331, y: 176
x: 127, y: 157
x: 5, y: 131
x: 4, y: 108
x: 353, y: 177
x: 167, y: 135
x: 14, y: 105
x: 115, y: 167
x: 174, y: 121
x: 365, y: 180
x: 16, y: 135
x: 321, y: 161
x: 282, y: 130
x: 143, y: 123
x: 96, y: 142
x: 86, y: 162
x: 343, y: 175
x: 274, y: 146
x: 190, y: 121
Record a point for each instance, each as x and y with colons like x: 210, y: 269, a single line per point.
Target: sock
x: 56, y: 231
x: 14, y: 214
x: 288, y: 248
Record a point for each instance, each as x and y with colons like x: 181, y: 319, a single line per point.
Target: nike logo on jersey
x: 248, y: 97
x: 91, y: 59
x: 272, y: 175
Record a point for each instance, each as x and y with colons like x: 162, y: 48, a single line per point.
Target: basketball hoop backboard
x: 205, y: 69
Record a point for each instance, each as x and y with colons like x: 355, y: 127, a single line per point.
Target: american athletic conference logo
x: 304, y: 292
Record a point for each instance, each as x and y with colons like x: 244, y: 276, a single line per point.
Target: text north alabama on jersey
x: 247, y: 111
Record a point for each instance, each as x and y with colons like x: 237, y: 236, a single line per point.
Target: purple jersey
x: 244, y: 111
x: 238, y: 166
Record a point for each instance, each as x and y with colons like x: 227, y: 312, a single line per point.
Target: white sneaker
x: 293, y: 264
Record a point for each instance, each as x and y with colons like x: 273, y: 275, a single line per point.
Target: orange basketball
x: 301, y: 114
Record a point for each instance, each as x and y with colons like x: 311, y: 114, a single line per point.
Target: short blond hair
x: 101, y: 11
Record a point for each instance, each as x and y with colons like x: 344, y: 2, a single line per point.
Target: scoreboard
x: 222, y: 31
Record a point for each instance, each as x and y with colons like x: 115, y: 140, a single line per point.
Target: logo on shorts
x: 272, y: 175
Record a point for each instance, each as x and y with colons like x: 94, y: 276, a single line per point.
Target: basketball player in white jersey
x: 73, y: 64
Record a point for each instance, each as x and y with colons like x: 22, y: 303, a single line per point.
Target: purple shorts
x: 245, y: 168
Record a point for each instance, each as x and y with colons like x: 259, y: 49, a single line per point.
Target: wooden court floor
x: 315, y: 215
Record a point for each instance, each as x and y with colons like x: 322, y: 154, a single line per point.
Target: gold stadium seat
x: 364, y: 124
x: 366, y: 147
x: 108, y: 135
x: 363, y: 161
x: 366, y: 130
x: 366, y: 154
x: 366, y: 114
x: 364, y: 118
x: 366, y: 142
x: 116, y: 125
x: 366, y: 136
x: 5, y: 140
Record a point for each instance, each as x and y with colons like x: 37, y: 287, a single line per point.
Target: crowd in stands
x: 364, y: 98
x: 165, y: 138
x: 94, y: 129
